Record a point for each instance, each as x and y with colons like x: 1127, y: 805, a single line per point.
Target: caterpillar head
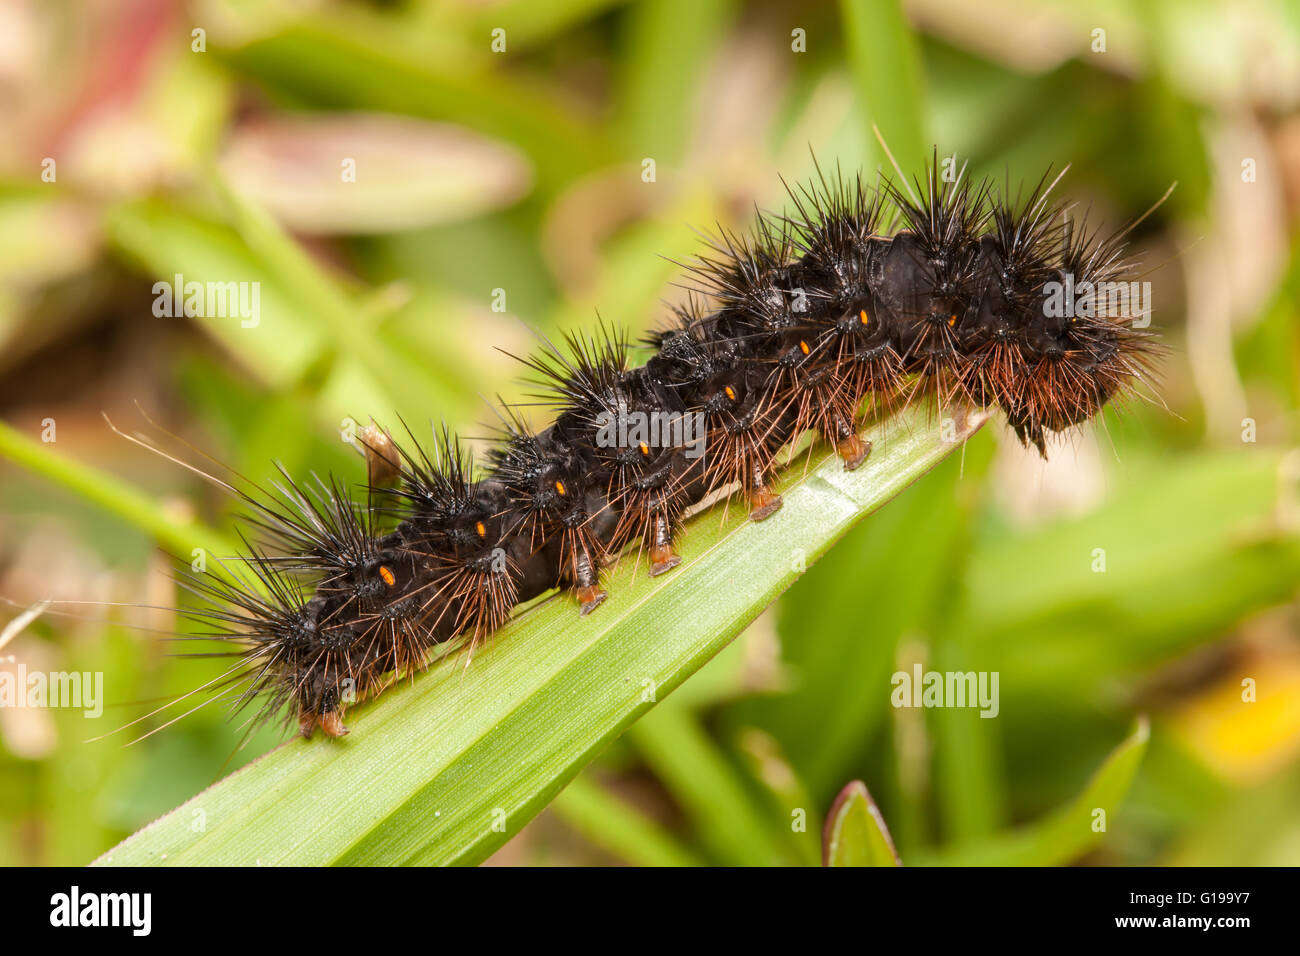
x: 1073, y: 361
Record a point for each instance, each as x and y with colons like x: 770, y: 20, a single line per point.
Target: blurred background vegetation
x: 221, y: 154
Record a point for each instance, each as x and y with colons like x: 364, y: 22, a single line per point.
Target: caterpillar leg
x: 763, y: 502
x: 854, y: 450
x: 331, y: 722
x: 662, y: 556
x: 849, y: 445
x: 586, y: 582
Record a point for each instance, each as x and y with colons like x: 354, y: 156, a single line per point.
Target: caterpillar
x: 856, y: 300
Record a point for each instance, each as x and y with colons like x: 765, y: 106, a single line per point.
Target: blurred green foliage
x: 990, y: 563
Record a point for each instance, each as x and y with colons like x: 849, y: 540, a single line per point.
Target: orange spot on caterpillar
x: 387, y: 575
x: 479, y: 527
x: 866, y: 319
x: 559, y: 486
x: 645, y: 449
x: 803, y: 347
x: 952, y: 320
x: 731, y: 392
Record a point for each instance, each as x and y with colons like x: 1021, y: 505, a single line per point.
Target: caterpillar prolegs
x: 854, y: 302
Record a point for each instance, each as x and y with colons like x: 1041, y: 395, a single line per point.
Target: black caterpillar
x: 815, y: 315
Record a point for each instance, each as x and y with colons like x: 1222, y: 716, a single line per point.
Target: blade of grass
x: 856, y: 834
x: 669, y: 46
x: 113, y: 495
x: 446, y: 768
x: 306, y: 318
x: 164, y: 241
x: 886, y: 63
x: 332, y: 65
x: 1072, y: 830
x: 968, y: 788
x: 1170, y: 583
x: 784, y: 790
x: 412, y: 390
x: 608, y: 822
x: 531, y: 23
x: 686, y: 761
x: 896, y: 572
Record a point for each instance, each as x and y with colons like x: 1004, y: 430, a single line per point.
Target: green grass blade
x: 163, y: 241
x: 1069, y: 832
x: 115, y: 496
x: 306, y: 317
x: 445, y: 769
x: 390, y: 371
x: 669, y: 46
x: 887, y: 74
x: 607, y: 821
x: 698, y: 775
x: 856, y: 834
x: 784, y: 790
x: 334, y: 66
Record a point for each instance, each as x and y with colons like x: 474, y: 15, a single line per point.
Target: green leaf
x: 609, y: 822
x: 895, y: 571
x: 1170, y: 583
x: 670, y: 43
x: 530, y: 23
x: 334, y: 65
x: 387, y: 370
x: 306, y: 317
x: 1069, y: 832
x: 446, y: 767
x: 708, y: 787
x: 856, y: 834
x: 886, y: 62
x: 164, y: 240
x: 179, y: 536
x: 784, y: 791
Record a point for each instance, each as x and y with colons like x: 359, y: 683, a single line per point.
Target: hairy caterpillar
x: 856, y: 301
